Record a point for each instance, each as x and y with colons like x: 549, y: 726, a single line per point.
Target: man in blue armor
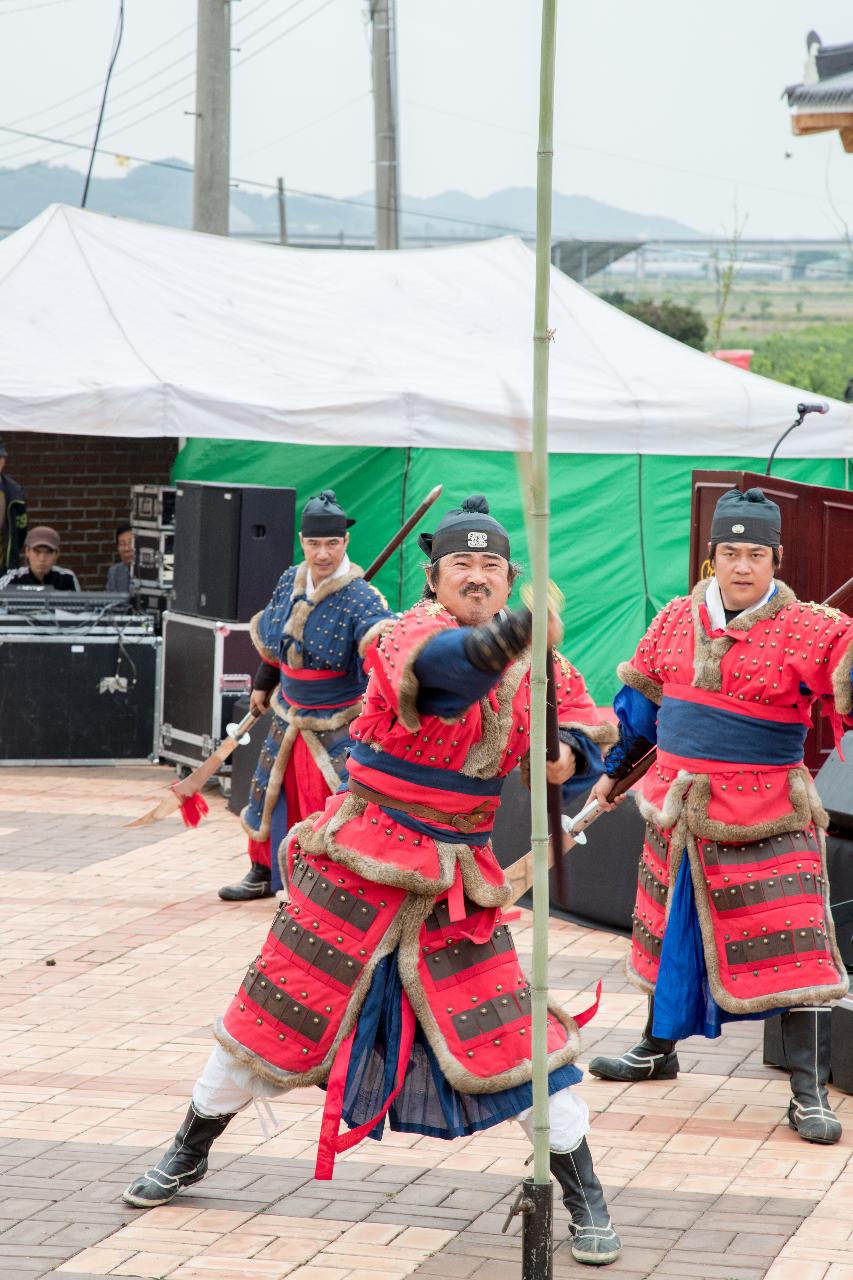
x: 312, y: 638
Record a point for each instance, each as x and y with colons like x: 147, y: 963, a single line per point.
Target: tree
x: 686, y: 324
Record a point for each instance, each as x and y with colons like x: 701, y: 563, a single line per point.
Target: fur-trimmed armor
x: 730, y: 789
x: 366, y: 880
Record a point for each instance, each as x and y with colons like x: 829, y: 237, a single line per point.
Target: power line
x: 183, y: 97
x: 310, y: 124
x: 60, y: 124
x: 80, y: 93
x: 30, y: 8
x: 613, y: 155
x: 135, y: 62
x: 266, y: 186
x: 118, y: 39
x: 282, y: 34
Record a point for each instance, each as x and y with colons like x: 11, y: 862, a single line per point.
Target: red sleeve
x: 392, y: 660
x: 643, y: 672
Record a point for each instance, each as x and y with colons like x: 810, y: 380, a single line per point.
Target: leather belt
x: 464, y: 822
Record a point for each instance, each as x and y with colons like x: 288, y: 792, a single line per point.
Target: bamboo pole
x: 538, y: 524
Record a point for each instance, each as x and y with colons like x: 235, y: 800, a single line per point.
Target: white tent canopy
x: 126, y: 328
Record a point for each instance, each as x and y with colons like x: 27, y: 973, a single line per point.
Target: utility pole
x: 212, y: 117
x: 282, y: 213
x: 384, y: 69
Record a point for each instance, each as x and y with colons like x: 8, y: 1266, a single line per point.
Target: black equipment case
x: 207, y: 665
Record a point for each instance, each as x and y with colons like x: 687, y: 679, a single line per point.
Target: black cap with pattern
x: 747, y: 517
x: 466, y: 528
x: 324, y: 517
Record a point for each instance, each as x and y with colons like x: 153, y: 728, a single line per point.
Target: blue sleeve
x: 272, y: 620
x: 638, y: 718
x: 448, y: 682
x: 370, y: 608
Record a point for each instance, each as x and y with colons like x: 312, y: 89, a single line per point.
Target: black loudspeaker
x: 834, y: 785
x: 232, y: 543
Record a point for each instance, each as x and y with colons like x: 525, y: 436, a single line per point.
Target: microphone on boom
x: 802, y: 409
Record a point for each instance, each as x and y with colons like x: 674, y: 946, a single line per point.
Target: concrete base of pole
x: 537, y: 1231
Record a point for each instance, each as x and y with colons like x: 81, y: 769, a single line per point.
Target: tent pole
x: 537, y: 1241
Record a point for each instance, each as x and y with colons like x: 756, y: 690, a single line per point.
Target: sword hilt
x: 240, y: 732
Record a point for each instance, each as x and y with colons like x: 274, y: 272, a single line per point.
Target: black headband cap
x: 747, y: 517
x: 466, y: 528
x: 324, y: 517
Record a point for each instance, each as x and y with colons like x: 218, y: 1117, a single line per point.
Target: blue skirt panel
x: 427, y: 1103
x: 684, y: 1005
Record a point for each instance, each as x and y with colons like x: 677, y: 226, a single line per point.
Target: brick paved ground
x: 99, y: 1051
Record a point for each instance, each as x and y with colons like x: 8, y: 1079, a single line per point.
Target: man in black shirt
x: 41, y: 549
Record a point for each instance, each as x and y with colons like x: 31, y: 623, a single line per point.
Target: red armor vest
x: 729, y: 786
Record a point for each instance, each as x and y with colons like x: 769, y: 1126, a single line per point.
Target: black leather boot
x: 593, y: 1239
x: 806, y: 1044
x: 651, y: 1059
x: 183, y: 1164
x: 256, y: 883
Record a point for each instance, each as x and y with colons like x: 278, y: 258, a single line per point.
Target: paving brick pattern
x: 99, y: 1051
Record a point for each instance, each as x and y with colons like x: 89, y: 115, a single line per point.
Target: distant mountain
x: 155, y: 194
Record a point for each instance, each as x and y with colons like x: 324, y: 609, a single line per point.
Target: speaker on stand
x: 232, y: 544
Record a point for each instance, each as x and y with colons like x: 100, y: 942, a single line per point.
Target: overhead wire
x: 132, y: 124
x: 272, y: 186
x: 118, y: 39
x: 134, y: 62
x: 310, y: 124
x: 139, y: 84
x: 611, y: 155
x: 80, y: 93
x: 31, y: 8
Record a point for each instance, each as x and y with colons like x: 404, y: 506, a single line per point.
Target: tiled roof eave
x: 827, y: 95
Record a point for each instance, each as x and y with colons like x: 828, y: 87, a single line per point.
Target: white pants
x: 226, y: 1086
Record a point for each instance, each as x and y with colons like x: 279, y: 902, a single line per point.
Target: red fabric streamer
x: 588, y: 1014
x: 193, y: 808
x: 456, y: 897
x: 332, y: 1142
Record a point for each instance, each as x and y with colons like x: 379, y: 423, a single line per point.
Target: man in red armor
x: 732, y: 917
x: 390, y: 976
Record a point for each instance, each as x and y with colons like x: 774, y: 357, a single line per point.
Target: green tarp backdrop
x: 620, y: 527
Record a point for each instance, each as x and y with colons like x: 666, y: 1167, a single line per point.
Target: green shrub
x: 681, y: 322
x: 818, y: 358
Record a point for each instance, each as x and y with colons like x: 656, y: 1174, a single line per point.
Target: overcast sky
x: 664, y: 107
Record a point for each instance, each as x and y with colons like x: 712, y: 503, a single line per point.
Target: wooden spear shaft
x: 538, y: 525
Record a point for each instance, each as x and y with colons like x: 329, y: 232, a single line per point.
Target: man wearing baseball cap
x: 41, y: 548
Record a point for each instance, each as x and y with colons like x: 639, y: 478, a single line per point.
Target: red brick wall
x: 80, y: 486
